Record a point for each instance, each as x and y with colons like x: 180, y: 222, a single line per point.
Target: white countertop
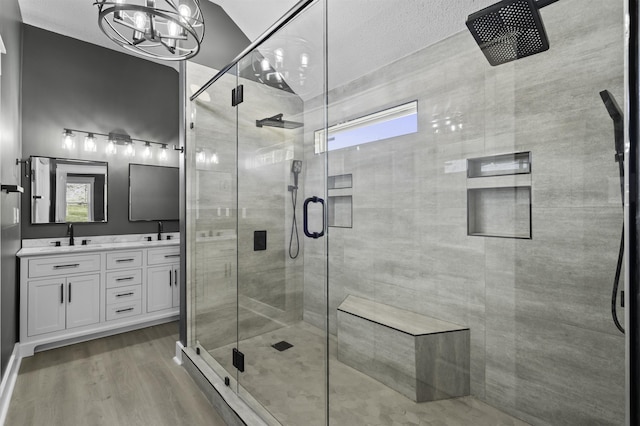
x: 46, y: 247
x: 52, y: 250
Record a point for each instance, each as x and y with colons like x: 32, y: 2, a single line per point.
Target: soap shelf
x: 340, y: 181
x: 499, y: 165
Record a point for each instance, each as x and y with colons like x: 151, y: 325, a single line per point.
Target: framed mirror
x: 65, y: 190
x: 154, y: 193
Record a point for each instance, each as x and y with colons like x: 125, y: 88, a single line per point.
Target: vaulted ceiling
x: 401, y: 26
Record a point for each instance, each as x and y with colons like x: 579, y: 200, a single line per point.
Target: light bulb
x: 214, y: 158
x: 90, y: 143
x: 140, y: 20
x: 304, y: 60
x: 163, y: 153
x: 279, y: 57
x: 118, y: 14
x: 111, y: 148
x: 184, y: 10
x: 67, y: 140
x: 147, y: 150
x: 174, y: 29
x: 264, y: 64
x: 130, y: 150
x: 200, y: 157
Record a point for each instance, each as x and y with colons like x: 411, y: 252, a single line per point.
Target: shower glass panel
x: 529, y: 333
x: 461, y: 274
x: 282, y: 107
x: 212, y: 220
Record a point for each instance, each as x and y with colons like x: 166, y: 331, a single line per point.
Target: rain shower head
x: 277, y: 121
x: 509, y: 30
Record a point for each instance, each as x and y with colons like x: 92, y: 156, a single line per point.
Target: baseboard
x: 178, y: 358
x: 9, y: 381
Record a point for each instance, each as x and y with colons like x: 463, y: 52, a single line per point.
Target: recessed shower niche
x: 340, y: 208
x: 499, y: 212
x: 499, y: 205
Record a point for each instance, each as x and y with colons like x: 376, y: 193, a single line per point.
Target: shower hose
x: 294, y: 226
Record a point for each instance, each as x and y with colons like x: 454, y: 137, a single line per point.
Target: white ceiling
x: 378, y: 31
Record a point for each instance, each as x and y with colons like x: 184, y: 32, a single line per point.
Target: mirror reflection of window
x: 68, y: 190
x: 79, y: 206
x: 41, y: 190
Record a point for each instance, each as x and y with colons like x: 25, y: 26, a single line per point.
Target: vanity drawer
x: 162, y: 256
x: 124, y: 294
x: 63, y: 265
x: 124, y: 310
x: 124, y: 278
x: 124, y: 259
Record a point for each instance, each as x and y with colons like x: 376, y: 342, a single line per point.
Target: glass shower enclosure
x: 393, y: 230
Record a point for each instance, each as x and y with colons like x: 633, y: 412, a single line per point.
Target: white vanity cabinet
x: 62, y: 303
x: 163, y: 282
x: 124, y: 284
x: 78, y: 293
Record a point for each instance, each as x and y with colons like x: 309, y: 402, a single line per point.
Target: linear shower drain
x: 282, y: 346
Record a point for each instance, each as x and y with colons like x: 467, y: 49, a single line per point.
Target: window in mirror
x: 79, y: 196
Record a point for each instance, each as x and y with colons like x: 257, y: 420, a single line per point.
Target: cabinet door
x: 176, y: 287
x: 46, y: 306
x: 83, y: 300
x: 159, y: 288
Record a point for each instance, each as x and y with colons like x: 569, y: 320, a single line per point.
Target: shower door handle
x: 314, y: 235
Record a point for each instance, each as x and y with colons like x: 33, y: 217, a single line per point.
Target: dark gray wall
x: 223, y: 40
x: 68, y: 83
x: 10, y: 28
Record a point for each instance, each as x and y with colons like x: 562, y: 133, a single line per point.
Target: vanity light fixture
x: 113, y: 140
x: 68, y: 139
x: 170, y: 30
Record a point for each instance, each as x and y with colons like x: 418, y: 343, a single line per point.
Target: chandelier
x: 170, y: 30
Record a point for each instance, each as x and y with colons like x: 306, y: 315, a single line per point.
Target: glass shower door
x: 281, y: 271
x: 212, y: 221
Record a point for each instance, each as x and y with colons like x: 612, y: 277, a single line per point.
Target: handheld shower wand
x: 296, y: 169
x: 618, y: 127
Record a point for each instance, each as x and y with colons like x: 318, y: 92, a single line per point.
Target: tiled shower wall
x: 543, y: 345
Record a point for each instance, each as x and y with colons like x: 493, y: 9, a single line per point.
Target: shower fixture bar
x: 277, y: 121
x: 284, y: 20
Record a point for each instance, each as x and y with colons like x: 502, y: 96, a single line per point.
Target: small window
x: 390, y: 123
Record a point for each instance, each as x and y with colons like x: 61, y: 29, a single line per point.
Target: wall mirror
x: 64, y: 190
x: 154, y: 193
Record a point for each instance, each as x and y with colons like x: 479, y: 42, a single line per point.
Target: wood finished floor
x: 127, y: 379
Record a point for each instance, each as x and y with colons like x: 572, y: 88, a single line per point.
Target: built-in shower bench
x: 423, y: 358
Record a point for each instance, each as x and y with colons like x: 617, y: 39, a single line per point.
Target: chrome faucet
x: 70, y: 234
x: 159, y: 231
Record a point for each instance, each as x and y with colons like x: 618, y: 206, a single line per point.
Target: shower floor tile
x: 291, y: 386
